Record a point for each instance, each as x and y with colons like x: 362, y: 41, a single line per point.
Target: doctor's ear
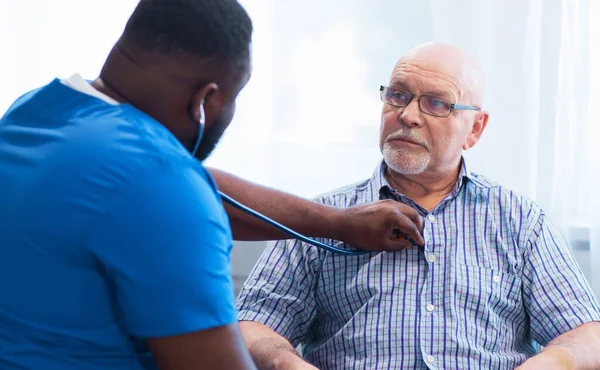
x: 203, y: 101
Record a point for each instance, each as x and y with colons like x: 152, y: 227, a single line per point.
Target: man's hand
x: 293, y: 363
x: 380, y: 226
x: 269, y: 350
x: 577, y: 349
x: 550, y: 359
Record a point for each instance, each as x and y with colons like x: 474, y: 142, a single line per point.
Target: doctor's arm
x: 380, y: 225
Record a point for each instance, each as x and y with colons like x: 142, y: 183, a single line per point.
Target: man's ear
x: 479, y: 125
x: 204, y: 99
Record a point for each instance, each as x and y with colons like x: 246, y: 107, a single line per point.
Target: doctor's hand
x: 381, y: 226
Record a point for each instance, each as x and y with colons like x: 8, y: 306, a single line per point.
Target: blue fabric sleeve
x: 164, y: 242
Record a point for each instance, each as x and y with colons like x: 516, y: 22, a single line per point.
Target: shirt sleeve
x: 279, y: 292
x: 164, y: 242
x: 557, y: 296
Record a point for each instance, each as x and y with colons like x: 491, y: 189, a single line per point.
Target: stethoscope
x: 260, y: 216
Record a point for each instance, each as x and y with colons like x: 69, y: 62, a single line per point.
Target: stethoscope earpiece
x: 201, y: 124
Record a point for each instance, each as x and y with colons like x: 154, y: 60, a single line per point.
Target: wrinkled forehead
x: 429, y: 77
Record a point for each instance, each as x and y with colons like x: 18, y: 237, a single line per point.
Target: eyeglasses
x: 428, y: 104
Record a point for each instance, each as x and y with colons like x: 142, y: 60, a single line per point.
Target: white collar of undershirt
x: 77, y: 83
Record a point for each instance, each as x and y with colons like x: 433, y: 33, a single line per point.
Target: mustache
x: 408, y: 136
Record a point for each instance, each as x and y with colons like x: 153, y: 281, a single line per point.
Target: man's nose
x: 411, y: 115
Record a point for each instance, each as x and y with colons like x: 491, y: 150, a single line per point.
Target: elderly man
x: 494, y: 281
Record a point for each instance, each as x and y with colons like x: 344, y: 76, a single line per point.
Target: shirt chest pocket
x: 490, y: 308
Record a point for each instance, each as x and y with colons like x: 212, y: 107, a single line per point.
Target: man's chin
x: 407, y: 170
x: 407, y: 166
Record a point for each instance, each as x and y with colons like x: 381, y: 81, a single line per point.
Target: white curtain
x: 308, y: 120
x: 592, y: 198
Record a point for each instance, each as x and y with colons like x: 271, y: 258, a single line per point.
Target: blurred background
x: 308, y: 121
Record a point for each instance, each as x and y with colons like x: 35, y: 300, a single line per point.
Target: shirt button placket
x: 429, y: 308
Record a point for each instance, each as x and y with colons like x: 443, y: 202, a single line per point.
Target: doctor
x: 113, y: 241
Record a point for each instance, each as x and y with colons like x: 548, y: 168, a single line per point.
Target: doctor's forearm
x: 300, y: 214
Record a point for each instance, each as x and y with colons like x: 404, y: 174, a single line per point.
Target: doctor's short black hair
x: 198, y: 28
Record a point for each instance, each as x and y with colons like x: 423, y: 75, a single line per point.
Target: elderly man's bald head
x: 432, y: 110
x: 456, y: 66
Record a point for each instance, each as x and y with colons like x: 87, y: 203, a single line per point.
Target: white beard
x: 405, y: 162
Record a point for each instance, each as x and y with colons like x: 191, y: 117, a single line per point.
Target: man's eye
x: 437, y: 103
x: 401, y: 96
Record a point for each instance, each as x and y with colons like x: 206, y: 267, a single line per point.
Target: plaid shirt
x: 493, y: 282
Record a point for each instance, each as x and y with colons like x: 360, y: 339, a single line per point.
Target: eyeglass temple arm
x: 464, y: 107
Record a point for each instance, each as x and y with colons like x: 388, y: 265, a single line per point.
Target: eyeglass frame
x: 418, y: 97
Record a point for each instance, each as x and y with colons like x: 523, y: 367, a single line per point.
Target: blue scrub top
x: 110, y: 231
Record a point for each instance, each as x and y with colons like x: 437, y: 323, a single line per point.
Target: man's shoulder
x: 486, y: 184
x: 88, y: 147
x: 502, y: 197
x: 87, y: 125
x: 121, y: 140
x: 482, y: 181
x: 349, y: 195
x: 131, y: 150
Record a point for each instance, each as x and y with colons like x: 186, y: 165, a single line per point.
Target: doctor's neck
x: 156, y: 83
x: 145, y: 79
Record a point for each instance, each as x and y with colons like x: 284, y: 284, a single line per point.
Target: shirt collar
x: 383, y: 187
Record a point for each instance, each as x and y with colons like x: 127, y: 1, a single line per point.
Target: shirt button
x: 430, y: 358
x: 431, y: 258
x: 431, y: 218
x: 497, y: 279
x: 430, y: 307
